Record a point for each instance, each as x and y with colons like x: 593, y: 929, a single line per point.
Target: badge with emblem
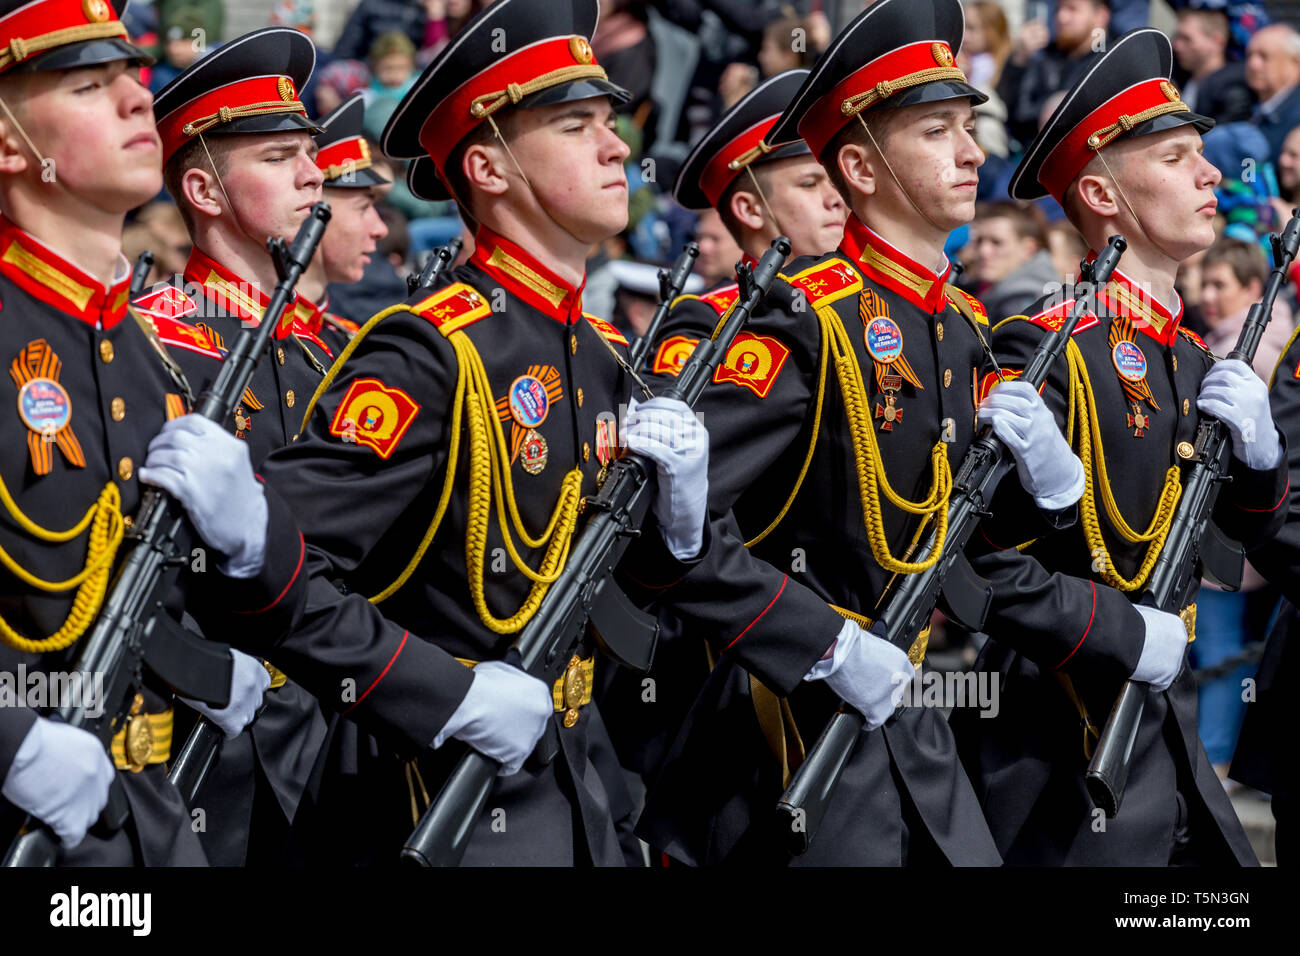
x: 1129, y: 361
x: 606, y: 447
x: 44, y: 406
x: 533, y: 452
x: 884, y: 340
x: 529, y: 402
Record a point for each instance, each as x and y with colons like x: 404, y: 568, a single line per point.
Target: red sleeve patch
x: 604, y: 328
x: 374, y: 415
x: 753, y: 362
x: 673, y: 353
x: 167, y: 302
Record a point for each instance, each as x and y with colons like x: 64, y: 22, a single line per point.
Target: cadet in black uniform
x: 352, y: 188
x: 837, y: 420
x: 92, y: 383
x: 1265, y: 755
x: 1122, y: 154
x: 264, y: 183
x: 442, y: 464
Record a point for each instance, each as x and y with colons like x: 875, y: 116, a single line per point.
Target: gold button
x: 1187, y: 405
x: 579, y: 398
x: 586, y: 451
x: 1175, y: 359
x: 279, y: 356
x: 106, y: 350
x: 573, y: 344
x: 1185, y: 449
x: 947, y: 377
x: 938, y: 331
x: 125, y: 469
x: 288, y: 398
x: 128, y: 522
x: 117, y: 408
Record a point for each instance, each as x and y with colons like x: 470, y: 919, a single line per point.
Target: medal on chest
x: 45, y: 407
x: 1131, y: 368
x: 526, y: 405
x: 884, y: 341
x: 606, y: 445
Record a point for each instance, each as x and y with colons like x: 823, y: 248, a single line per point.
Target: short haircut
x: 193, y: 156
x: 880, y: 122
x: 1213, y: 22
x: 741, y: 183
x: 1245, y: 259
x: 506, y: 120
x: 1026, y: 220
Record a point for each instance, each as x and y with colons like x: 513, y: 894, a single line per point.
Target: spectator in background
x: 1067, y: 248
x: 1009, y: 261
x: 984, y: 51
x: 624, y: 47
x: 1233, y: 274
x: 445, y: 18
x: 1273, y: 73
x: 786, y: 45
x: 373, y: 18
x: 1209, y: 84
x: 300, y: 15
x: 392, y: 73
x: 185, y: 33
x: 1288, y: 177
x: 1030, y: 77
x: 339, y: 81
x: 718, y: 250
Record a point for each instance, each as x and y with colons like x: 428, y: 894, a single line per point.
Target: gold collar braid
x: 487, y: 104
x: 1082, y: 411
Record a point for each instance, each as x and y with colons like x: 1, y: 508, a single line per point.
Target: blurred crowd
x: 687, y: 61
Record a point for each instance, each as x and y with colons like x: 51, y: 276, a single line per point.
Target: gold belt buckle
x: 138, y: 742
x: 575, y: 689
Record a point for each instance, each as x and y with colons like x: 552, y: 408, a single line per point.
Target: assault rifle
x: 439, y: 260
x: 586, y: 590
x: 671, y: 284
x: 1195, y: 547
x: 804, y: 803
x: 133, y: 629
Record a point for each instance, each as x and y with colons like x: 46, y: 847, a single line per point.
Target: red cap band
x: 27, y: 31
x: 249, y: 97
x: 337, y: 158
x: 718, y: 174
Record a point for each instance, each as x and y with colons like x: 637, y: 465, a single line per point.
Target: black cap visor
x: 1169, y: 121
x: 577, y: 90
x: 90, y: 53
x: 360, y: 179
x: 933, y: 92
x: 266, y: 123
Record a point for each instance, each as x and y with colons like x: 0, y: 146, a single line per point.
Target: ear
x: 1097, y: 195
x: 748, y: 210
x: 484, y: 169
x: 15, y: 157
x: 201, y: 192
x: 857, y: 169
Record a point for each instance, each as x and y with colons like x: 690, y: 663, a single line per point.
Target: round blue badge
x: 1129, y: 361
x: 528, y: 401
x: 44, y: 406
x: 884, y: 340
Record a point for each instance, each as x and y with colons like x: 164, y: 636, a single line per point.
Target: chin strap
x: 21, y: 132
x: 766, y: 205
x: 234, y: 213
x: 1131, y: 211
x: 898, y: 182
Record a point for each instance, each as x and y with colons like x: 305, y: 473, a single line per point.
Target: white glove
x: 207, y: 470
x: 1048, y: 469
x: 1235, y: 395
x: 666, y: 431
x: 1162, y: 651
x: 867, y: 671
x: 249, y: 680
x: 61, y: 776
x: 502, y: 716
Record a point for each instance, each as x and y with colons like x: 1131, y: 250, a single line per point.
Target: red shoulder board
x: 453, y: 308
x: 753, y: 362
x: 604, y: 328
x: 346, y: 325
x: 374, y: 415
x: 721, y: 300
x: 827, y: 281
x: 991, y: 379
x: 673, y: 353
x: 166, y: 301
x: 179, y: 335
x: 981, y: 313
x: 1195, y: 339
x: 1054, y: 318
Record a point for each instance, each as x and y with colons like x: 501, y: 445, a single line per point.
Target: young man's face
x: 272, y: 180
x: 354, y: 229
x: 932, y: 149
x: 95, y: 128
x: 1171, y: 186
x: 999, y: 251
x: 1222, y: 296
x: 806, y: 205
x: 574, y: 161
